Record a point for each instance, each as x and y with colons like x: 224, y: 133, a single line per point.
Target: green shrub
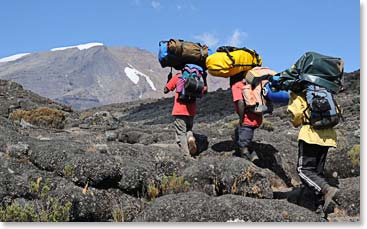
x: 43, y: 117
x: 353, y: 154
x: 152, y: 191
x: 46, y: 209
x: 16, y: 213
x: 169, y: 185
x: 173, y: 184
x: 68, y: 171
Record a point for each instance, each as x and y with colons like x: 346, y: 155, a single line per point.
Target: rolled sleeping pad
x: 278, y: 97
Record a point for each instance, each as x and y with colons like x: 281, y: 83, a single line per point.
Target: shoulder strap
x: 306, y: 116
x: 169, y: 76
x: 228, y: 49
x: 321, y: 82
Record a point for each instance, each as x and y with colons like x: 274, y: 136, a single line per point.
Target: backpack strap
x: 228, y: 49
x: 308, y: 107
x: 169, y: 76
x: 321, y: 82
x: 306, y: 116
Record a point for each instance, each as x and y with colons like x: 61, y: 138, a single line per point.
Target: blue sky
x: 280, y: 30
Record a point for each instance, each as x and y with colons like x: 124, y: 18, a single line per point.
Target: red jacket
x: 187, y: 109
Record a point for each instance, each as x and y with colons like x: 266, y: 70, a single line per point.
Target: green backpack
x: 314, y: 68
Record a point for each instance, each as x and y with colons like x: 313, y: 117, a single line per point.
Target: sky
x: 279, y: 30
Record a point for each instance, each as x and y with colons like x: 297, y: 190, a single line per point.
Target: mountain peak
x: 13, y: 57
x: 80, y: 47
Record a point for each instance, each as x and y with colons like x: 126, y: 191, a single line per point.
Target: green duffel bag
x: 315, y: 68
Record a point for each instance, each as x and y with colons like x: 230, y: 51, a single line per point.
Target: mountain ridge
x: 86, y: 76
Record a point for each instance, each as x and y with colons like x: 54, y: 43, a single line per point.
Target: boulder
x: 199, y: 207
x: 232, y: 175
x: 24, y: 180
x: 141, y: 165
x: 339, y: 162
x: 71, y: 161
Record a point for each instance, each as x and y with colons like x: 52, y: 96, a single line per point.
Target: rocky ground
x: 120, y: 163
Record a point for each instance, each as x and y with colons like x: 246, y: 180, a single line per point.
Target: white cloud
x: 208, y: 39
x: 237, y: 38
x: 156, y: 4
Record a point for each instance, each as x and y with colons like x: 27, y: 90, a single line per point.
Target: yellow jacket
x: 324, y: 137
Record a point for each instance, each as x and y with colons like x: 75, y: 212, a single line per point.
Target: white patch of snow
x: 13, y: 57
x: 150, y: 82
x: 80, y: 47
x: 134, y: 74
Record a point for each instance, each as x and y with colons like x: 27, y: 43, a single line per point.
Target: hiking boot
x: 243, y: 152
x: 329, y: 195
x: 320, y: 211
x: 191, y: 142
x: 253, y: 156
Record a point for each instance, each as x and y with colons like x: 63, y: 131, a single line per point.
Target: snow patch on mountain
x: 134, y: 74
x: 80, y: 47
x: 13, y: 57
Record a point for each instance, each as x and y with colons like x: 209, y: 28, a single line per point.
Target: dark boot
x: 329, y: 195
x: 251, y: 156
x: 243, y: 153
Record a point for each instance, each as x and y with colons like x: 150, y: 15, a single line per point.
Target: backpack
x: 254, y: 95
x: 269, y: 90
x: 315, y: 68
x: 176, y: 53
x: 190, y: 83
x: 229, y: 61
x: 324, y: 111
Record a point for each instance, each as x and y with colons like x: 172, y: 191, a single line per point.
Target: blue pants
x: 244, y: 135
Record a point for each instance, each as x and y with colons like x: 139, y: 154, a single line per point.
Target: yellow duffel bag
x: 229, y: 61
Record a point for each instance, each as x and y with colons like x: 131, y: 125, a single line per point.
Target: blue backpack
x: 324, y: 111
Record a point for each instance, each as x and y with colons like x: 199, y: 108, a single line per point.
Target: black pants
x: 310, y: 166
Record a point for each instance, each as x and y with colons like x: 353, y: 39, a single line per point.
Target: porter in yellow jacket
x: 313, y: 145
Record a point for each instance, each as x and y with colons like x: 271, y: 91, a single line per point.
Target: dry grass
x: 43, y: 117
x: 353, y: 155
x: 169, y: 185
x: 267, y: 125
